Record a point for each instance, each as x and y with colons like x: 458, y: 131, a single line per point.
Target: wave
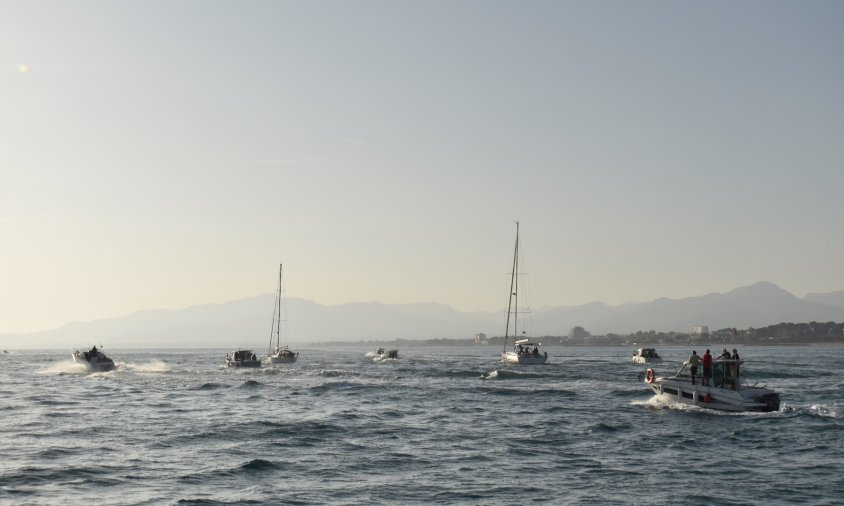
x: 210, y: 386
x: 251, y: 384
x: 259, y: 465
x: 333, y: 373
x: 529, y: 392
x: 56, y: 476
x: 603, y: 426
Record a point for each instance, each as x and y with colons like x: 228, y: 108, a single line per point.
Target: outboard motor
x: 772, y: 402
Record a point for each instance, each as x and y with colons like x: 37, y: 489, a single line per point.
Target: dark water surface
x: 436, y: 426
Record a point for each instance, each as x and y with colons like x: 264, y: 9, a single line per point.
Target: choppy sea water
x: 440, y: 426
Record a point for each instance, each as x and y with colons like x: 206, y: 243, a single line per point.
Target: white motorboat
x: 382, y: 354
x: 282, y: 353
x: 646, y: 356
x: 242, y: 358
x: 727, y: 389
x: 524, y: 351
x: 93, y: 360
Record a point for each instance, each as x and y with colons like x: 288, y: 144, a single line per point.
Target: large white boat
x: 727, y: 389
x: 93, y: 360
x: 282, y: 353
x: 646, y: 356
x: 524, y: 351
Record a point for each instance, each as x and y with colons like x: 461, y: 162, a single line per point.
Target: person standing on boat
x: 694, y: 362
x: 735, y: 354
x: 707, y: 368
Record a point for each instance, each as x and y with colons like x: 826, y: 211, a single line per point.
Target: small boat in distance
x: 383, y: 354
x: 727, y: 390
x: 524, y: 351
x: 281, y: 354
x: 93, y: 360
x: 646, y: 356
x: 243, y: 358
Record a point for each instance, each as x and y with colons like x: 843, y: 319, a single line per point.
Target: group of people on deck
x: 706, y: 361
x: 91, y: 354
x: 525, y: 350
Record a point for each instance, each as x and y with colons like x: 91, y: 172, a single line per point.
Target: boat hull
x: 681, y: 390
x: 643, y: 360
x: 276, y: 359
x: 510, y: 357
x: 243, y: 358
x: 96, y: 364
x: 243, y: 363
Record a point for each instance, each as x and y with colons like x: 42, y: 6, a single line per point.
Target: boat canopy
x: 526, y: 343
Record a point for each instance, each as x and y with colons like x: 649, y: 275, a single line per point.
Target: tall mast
x: 278, y: 298
x: 513, y: 284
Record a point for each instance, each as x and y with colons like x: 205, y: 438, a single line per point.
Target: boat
x: 382, y: 354
x: 281, y: 354
x: 727, y: 390
x: 524, y: 351
x: 646, y: 356
x: 94, y: 360
x: 242, y: 358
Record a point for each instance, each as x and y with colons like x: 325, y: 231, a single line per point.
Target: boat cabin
x: 525, y: 347
x: 244, y: 355
x: 726, y: 374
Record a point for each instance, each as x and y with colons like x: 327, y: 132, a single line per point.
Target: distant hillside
x: 750, y: 306
x: 835, y: 299
x: 246, y: 322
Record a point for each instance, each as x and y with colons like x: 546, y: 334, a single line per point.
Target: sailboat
x: 281, y: 354
x: 524, y: 351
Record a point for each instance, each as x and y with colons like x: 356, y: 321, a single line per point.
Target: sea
x: 435, y: 426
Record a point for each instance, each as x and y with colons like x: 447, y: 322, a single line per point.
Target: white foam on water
x: 153, y: 366
x: 826, y: 410
x: 64, y: 367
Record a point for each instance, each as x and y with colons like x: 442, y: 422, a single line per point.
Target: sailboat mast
x: 516, y: 292
x: 513, y: 285
x: 278, y: 298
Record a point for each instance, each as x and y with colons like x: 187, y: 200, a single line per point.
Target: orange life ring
x: 649, y: 377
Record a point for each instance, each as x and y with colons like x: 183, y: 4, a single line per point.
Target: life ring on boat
x: 649, y: 376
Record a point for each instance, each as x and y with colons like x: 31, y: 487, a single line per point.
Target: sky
x: 165, y: 154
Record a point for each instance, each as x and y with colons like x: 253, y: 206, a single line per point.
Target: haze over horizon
x: 165, y: 155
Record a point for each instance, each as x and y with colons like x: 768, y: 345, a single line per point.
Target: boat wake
x: 154, y: 366
x: 62, y: 368
x: 825, y: 411
x: 503, y: 374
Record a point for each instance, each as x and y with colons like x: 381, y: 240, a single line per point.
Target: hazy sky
x: 162, y: 154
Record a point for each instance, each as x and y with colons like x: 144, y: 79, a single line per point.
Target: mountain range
x: 246, y: 322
